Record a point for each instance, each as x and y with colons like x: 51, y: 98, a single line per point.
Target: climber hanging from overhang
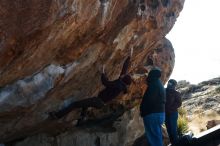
x: 112, y: 90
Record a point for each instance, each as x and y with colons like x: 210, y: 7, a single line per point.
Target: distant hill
x: 202, y: 102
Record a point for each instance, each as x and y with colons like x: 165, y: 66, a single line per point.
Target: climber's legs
x: 89, y: 102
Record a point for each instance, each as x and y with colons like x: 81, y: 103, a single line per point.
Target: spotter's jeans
x: 171, y: 125
x: 153, y: 128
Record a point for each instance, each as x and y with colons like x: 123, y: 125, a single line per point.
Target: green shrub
x: 182, y: 111
x: 217, y: 90
x: 182, y: 125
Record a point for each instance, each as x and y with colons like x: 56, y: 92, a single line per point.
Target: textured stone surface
x: 51, y: 52
x: 128, y: 128
x: 212, y: 123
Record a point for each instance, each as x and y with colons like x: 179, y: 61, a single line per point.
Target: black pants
x: 89, y: 102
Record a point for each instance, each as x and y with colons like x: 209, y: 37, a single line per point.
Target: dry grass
x: 182, y: 125
x: 182, y: 111
x: 199, y: 121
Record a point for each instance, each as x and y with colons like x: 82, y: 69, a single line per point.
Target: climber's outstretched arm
x: 127, y: 64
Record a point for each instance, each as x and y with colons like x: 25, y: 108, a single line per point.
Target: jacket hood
x: 154, y: 74
x: 172, y: 84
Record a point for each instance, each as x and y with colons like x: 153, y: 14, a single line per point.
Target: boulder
x: 51, y: 53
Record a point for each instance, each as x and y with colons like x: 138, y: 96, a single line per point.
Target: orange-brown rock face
x: 51, y: 53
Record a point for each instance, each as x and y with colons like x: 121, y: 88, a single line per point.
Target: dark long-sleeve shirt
x: 173, y: 100
x: 112, y: 88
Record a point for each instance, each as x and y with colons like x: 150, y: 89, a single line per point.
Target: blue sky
x: 196, y: 41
